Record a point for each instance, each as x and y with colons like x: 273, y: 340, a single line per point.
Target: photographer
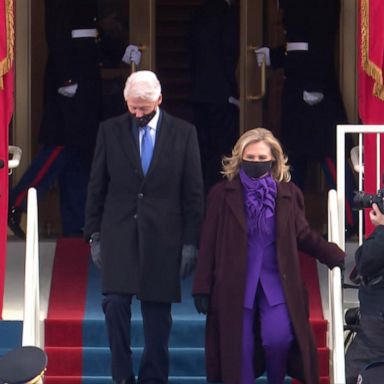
x: 368, y: 345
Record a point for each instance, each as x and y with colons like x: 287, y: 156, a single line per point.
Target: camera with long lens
x: 365, y: 200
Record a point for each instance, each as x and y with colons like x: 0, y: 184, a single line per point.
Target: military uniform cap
x: 23, y: 365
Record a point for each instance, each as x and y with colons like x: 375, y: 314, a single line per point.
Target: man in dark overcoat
x: 147, y: 219
x: 221, y: 275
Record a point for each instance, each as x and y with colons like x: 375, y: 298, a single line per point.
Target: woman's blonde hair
x: 280, y: 168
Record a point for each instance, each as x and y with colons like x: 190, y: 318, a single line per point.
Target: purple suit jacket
x: 262, y: 267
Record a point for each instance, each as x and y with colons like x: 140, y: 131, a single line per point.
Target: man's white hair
x: 142, y: 85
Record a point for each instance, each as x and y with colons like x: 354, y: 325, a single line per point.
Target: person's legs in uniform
x: 40, y: 175
x: 73, y: 181
x: 157, y: 321
x: 367, y: 346
x: 117, y: 311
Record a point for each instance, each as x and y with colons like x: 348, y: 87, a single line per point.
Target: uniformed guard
x: 23, y: 365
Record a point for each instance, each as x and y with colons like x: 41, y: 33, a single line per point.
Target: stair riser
x: 188, y: 333
x: 96, y: 361
x: 177, y: 380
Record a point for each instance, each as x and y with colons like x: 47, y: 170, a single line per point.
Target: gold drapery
x: 9, y: 41
x: 370, y: 68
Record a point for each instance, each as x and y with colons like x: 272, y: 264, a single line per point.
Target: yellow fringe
x: 6, y: 63
x: 36, y: 379
x: 378, y: 91
x: 369, y: 67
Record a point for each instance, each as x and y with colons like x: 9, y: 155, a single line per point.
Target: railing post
x: 31, y: 323
x: 336, y: 329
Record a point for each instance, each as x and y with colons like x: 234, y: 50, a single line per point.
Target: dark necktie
x: 146, y: 149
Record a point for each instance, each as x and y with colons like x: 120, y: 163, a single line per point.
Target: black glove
x: 94, y: 242
x: 201, y: 303
x: 188, y: 260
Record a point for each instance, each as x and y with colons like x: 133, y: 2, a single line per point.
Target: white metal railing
x: 342, y: 130
x: 336, y: 214
x: 336, y: 327
x: 31, y: 323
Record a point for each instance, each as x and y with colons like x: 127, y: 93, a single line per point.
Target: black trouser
x: 157, y: 322
x: 366, y: 347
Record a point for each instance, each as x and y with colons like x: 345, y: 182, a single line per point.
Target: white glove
x: 68, y: 90
x: 261, y: 53
x: 234, y: 101
x: 313, y: 98
x: 132, y: 54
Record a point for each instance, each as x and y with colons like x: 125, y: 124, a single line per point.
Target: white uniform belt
x: 79, y: 33
x: 297, y: 46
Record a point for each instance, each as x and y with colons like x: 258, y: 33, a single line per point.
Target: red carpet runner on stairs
x: 319, y: 324
x: 66, y: 336
x: 66, y: 310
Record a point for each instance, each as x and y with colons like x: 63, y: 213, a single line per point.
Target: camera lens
x: 362, y: 200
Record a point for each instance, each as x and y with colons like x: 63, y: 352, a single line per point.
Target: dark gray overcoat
x: 221, y: 273
x: 144, y: 220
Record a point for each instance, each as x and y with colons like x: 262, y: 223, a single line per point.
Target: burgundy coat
x: 221, y: 273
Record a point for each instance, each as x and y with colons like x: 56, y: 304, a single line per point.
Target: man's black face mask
x: 145, y: 119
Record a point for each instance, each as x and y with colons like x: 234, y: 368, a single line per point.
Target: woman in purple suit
x: 248, y: 278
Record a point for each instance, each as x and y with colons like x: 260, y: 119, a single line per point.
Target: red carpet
x: 66, y: 307
x: 319, y: 325
x: 311, y: 281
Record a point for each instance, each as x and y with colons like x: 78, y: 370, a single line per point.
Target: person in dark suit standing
x: 368, y: 344
x: 311, y: 101
x: 79, y: 43
x: 143, y: 211
x: 71, y: 113
x: 312, y: 105
x: 214, y: 51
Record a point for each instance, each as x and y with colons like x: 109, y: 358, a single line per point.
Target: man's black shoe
x: 14, y: 219
x: 132, y: 380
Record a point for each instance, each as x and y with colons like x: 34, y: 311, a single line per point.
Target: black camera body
x: 365, y: 200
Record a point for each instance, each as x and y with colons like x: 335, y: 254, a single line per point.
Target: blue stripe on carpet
x: 172, y: 380
x: 10, y: 335
x: 186, y: 343
x: 93, y: 295
x: 183, y: 310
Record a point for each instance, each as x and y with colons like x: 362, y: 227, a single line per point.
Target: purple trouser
x: 276, y: 336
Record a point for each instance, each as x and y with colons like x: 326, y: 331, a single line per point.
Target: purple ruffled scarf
x: 260, y: 200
